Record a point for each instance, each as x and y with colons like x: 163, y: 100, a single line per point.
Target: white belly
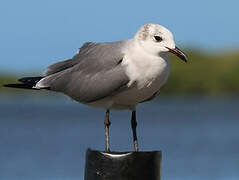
x: 129, y: 98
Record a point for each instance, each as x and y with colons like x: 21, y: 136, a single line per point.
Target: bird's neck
x: 143, y: 68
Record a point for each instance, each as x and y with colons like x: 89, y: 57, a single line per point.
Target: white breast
x: 144, y: 68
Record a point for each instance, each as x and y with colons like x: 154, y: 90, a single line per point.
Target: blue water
x: 42, y: 138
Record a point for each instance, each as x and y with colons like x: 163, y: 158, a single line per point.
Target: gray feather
x: 60, y: 66
x: 97, y: 73
x: 63, y: 65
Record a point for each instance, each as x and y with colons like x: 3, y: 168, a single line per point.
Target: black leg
x: 107, y: 126
x: 133, y: 126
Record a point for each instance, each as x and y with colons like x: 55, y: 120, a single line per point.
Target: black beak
x: 179, y: 53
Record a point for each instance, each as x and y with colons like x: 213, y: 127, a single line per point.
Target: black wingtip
x: 27, y: 83
x: 30, y: 80
x: 9, y: 85
x: 21, y: 86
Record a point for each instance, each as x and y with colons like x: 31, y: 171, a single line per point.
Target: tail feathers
x: 27, y: 83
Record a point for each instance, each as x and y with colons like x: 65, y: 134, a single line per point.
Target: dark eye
x: 158, y: 38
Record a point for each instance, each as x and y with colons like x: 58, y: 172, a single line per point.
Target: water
x: 46, y: 138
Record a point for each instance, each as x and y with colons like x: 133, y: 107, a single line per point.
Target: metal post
x: 123, y: 165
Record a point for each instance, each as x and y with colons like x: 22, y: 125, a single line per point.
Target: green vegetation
x: 205, y: 74
x: 6, y: 79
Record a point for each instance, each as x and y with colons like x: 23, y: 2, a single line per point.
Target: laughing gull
x: 113, y: 75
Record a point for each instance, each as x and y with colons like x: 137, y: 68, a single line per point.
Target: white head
x: 156, y: 39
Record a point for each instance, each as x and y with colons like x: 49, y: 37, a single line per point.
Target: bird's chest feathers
x: 146, y: 70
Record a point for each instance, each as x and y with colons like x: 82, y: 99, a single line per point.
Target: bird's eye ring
x: 158, y: 38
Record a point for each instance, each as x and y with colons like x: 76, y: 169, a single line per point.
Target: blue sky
x: 34, y: 33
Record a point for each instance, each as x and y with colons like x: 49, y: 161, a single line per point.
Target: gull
x: 113, y: 75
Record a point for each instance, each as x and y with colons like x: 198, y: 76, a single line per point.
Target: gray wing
x: 60, y: 66
x: 98, y: 73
